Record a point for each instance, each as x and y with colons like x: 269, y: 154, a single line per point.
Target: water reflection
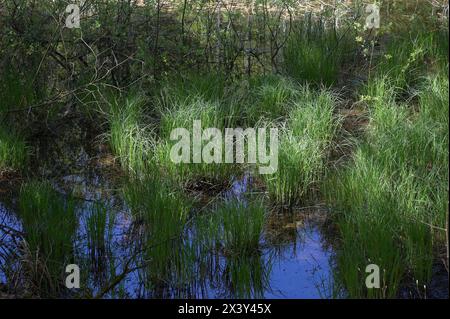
x: 112, y: 249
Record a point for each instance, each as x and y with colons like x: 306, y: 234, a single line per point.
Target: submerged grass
x: 49, y: 223
x: 234, y: 230
x: 241, y: 226
x: 98, y: 225
x: 163, y: 213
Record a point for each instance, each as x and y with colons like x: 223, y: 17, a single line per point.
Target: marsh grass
x: 129, y: 138
x: 249, y: 105
x: 233, y: 227
x: 14, y: 152
x: 49, y: 223
x: 394, y: 189
x: 304, y: 144
x: 409, y: 56
x: 163, y: 213
x: 372, y: 243
x: 268, y: 98
x: 183, y: 115
x: 16, y: 91
x: 367, y: 229
x: 315, y: 53
x: 403, y: 60
x: 189, y: 174
x: 210, y: 87
x: 390, y: 200
x: 232, y: 231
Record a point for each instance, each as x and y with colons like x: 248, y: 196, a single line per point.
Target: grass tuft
x: 314, y: 53
x: 163, y: 213
x: 304, y: 143
x: 13, y: 151
x: 129, y: 139
x: 392, y: 192
x: 49, y: 223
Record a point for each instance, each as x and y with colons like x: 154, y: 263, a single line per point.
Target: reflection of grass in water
x: 234, y: 230
x: 247, y: 276
x: 99, y: 222
x: 239, y: 226
x: 163, y: 214
x: 96, y: 228
x: 49, y: 223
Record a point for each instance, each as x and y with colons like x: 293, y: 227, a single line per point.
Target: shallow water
x: 303, y: 269
x: 293, y: 261
x: 9, y: 227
